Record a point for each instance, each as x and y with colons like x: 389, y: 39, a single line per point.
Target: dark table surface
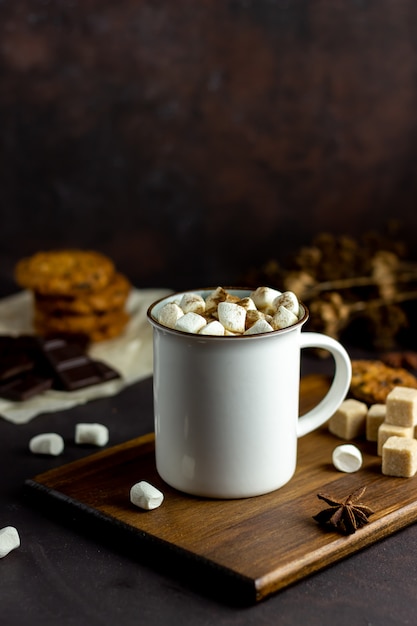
x: 61, y: 575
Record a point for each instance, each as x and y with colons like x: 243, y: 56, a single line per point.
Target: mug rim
x: 187, y: 334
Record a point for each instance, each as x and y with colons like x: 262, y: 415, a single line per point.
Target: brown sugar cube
x: 385, y: 431
x: 349, y: 421
x: 374, y: 418
x: 402, y: 406
x: 399, y: 457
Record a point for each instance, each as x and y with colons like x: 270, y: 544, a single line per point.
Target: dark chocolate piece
x: 72, y: 367
x: 79, y: 376
x: 29, y: 365
x: 106, y: 372
x: 15, y: 356
x: 24, y: 387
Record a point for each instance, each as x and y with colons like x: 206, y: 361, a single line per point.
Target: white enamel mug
x: 227, y: 408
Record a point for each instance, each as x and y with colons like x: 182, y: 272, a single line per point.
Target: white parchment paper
x: 131, y: 354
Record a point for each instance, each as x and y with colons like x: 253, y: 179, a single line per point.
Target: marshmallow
x: 146, y: 496
x: 347, y: 458
x: 213, y: 299
x: 261, y: 326
x: 9, y: 540
x: 47, y: 443
x: 264, y: 297
x: 232, y: 316
x: 170, y: 314
x: 94, y: 434
x: 190, y: 323
x: 192, y: 313
x: 192, y: 303
x: 247, y: 304
x: 289, y: 300
x: 283, y: 318
x: 254, y: 316
x: 213, y: 328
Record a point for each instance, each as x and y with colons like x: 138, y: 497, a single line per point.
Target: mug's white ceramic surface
x: 226, y: 408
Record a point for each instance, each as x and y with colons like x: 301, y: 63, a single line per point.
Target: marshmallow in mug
x: 221, y: 313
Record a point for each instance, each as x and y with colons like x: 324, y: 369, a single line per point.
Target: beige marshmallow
x: 146, y: 496
x: 349, y: 421
x: 91, y: 433
x: 347, y: 458
x: 261, y: 326
x: 283, y: 318
x: 193, y: 303
x: 9, y: 540
x: 190, y: 323
x: 374, y: 418
x: 289, y: 300
x: 232, y: 316
x: 212, y: 328
x: 170, y: 314
x: 264, y: 297
x: 47, y: 443
x: 214, y: 298
x: 247, y: 304
x: 385, y: 431
x: 399, y: 457
x: 253, y: 316
x: 402, y: 406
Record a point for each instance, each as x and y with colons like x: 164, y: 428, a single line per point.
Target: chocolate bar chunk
x: 24, y: 387
x: 14, y: 357
x: 30, y: 365
x: 72, y: 367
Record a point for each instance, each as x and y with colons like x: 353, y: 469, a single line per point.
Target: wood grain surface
x: 251, y: 548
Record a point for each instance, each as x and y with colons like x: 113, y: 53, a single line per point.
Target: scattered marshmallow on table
x: 347, y: 458
x: 9, y: 540
x: 91, y: 433
x: 146, y: 496
x: 47, y: 443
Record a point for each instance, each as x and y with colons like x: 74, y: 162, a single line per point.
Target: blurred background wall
x: 193, y: 140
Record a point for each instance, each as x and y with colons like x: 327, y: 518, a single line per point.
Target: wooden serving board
x: 244, y: 549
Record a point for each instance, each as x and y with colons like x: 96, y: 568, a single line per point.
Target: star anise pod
x: 346, y: 515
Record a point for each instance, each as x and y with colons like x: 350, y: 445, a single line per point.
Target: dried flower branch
x: 342, y: 280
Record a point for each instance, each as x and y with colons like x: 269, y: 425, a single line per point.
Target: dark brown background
x: 192, y: 140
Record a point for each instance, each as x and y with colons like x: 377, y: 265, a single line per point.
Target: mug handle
x: 340, y: 385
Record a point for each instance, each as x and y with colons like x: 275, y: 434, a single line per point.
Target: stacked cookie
x: 75, y: 292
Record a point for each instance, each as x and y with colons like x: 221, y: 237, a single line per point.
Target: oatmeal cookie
x: 373, y: 380
x: 95, y: 327
x: 69, y: 272
x: 78, y: 323
x: 110, y: 298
